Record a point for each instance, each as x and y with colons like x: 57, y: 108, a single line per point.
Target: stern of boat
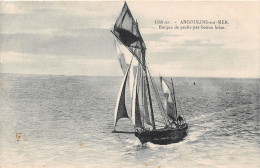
x: 163, y: 136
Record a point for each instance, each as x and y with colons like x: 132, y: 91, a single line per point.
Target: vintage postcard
x: 118, y: 84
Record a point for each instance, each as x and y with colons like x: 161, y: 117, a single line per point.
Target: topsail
x: 127, y: 31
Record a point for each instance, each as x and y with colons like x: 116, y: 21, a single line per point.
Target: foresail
x: 120, y: 110
x: 169, y: 103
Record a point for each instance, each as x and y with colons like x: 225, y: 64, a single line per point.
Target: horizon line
x: 122, y: 76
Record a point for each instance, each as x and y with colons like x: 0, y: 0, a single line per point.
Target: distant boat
x: 194, y: 83
x: 143, y: 91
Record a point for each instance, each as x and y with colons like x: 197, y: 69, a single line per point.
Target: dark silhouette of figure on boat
x: 194, y: 83
x: 178, y: 123
x: 180, y: 120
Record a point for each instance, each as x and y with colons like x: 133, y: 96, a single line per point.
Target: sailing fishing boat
x: 131, y: 50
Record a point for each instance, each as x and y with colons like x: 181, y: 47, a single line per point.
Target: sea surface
x: 66, y: 121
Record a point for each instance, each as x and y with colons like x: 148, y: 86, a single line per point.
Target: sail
x: 127, y: 31
x: 124, y: 58
x: 132, y: 75
x: 169, y: 103
x: 136, y: 117
x: 120, y: 110
x: 146, y: 116
x: 129, y: 43
x: 124, y: 55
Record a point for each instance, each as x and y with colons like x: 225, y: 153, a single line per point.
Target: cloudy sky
x: 73, y: 38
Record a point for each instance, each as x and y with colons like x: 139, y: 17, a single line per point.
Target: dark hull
x: 163, y: 136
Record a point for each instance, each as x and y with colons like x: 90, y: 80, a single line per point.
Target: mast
x: 148, y: 89
x: 150, y: 101
x: 147, y: 118
x: 144, y: 69
x: 136, y: 117
x: 174, y: 99
x: 142, y: 92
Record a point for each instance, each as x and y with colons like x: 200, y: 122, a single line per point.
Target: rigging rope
x: 159, y: 103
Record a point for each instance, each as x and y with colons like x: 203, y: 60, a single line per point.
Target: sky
x: 74, y: 38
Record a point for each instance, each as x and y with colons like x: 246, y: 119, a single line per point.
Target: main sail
x: 130, y: 46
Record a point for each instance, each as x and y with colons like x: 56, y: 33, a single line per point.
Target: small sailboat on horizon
x: 145, y: 97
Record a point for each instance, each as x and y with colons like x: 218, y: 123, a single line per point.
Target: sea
x: 67, y: 121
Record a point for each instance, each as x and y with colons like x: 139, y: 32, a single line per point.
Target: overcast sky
x: 73, y: 38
